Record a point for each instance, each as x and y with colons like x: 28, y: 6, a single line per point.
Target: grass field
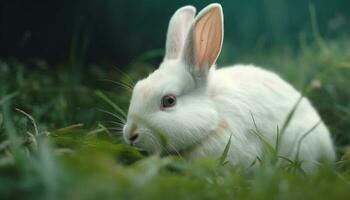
x: 59, y: 138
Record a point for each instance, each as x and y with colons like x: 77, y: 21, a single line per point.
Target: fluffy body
x: 242, y: 93
x: 213, y: 104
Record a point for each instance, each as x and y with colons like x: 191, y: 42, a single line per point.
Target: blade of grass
x: 290, y: 115
x: 110, y: 102
x: 31, y: 118
x: 222, y: 159
x: 315, y: 30
x: 267, y: 146
x: 303, y: 137
x: 8, y: 97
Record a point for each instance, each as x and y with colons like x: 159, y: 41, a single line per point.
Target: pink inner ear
x: 208, y: 37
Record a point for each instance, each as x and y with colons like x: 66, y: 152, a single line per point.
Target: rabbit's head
x: 171, y: 106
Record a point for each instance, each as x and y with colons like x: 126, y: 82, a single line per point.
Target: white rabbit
x: 196, y: 107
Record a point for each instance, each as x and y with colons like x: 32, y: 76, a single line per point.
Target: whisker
x: 117, y: 130
x: 118, y: 83
x: 114, y: 122
x: 127, y: 83
x: 115, y: 133
x: 126, y: 76
x: 123, y: 85
x: 120, y: 118
x: 114, y: 128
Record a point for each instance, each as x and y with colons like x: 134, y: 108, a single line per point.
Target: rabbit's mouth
x: 140, y: 150
x: 147, y: 142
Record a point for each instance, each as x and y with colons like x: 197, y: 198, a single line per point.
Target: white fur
x: 213, y: 104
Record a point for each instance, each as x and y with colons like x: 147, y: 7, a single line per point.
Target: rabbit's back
x: 245, y: 95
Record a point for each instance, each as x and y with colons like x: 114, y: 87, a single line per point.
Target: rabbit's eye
x: 168, y: 101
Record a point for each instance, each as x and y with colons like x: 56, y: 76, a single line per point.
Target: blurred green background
x: 67, y: 69
x: 116, y: 31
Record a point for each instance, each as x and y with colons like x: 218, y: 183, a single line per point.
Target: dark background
x: 115, y: 31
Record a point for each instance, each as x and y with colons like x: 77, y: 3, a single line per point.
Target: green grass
x: 58, y: 139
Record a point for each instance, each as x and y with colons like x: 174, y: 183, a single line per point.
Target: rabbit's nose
x: 133, y: 137
x: 131, y: 133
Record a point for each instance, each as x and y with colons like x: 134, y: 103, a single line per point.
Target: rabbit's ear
x: 204, y: 40
x: 177, y: 31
